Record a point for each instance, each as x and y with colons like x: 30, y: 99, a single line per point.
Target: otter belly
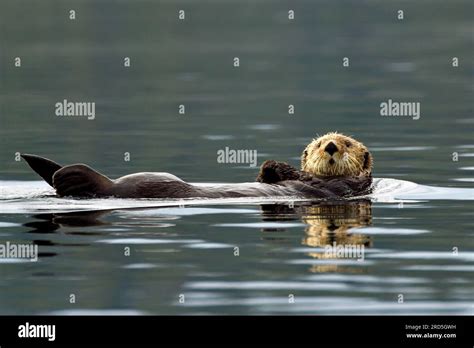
x: 165, y: 185
x: 250, y: 189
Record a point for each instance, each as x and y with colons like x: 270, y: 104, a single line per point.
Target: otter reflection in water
x: 329, y: 226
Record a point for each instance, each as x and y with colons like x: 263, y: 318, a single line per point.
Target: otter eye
x: 318, y: 144
x: 348, y: 143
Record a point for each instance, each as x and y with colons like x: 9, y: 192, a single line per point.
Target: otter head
x: 336, y: 154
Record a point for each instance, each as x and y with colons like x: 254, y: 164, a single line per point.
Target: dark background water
x: 191, y: 62
x: 282, y: 62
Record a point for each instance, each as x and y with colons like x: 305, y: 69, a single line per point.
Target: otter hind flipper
x: 80, y: 180
x: 42, y: 166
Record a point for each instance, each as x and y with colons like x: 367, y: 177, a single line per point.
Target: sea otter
x: 332, y: 166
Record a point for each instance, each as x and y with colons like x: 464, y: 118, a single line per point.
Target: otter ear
x: 367, y: 160
x: 303, y: 158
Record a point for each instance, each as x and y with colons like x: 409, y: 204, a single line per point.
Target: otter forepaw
x: 272, y: 172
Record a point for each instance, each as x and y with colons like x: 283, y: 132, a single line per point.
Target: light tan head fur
x: 335, y: 154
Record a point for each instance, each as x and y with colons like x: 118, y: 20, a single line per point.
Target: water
x: 420, y: 213
x: 187, y: 247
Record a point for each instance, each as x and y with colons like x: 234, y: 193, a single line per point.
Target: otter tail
x: 42, y: 166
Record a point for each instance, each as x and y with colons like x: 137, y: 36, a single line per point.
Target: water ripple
x: 148, y: 241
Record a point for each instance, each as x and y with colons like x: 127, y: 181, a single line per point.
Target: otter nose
x: 331, y: 148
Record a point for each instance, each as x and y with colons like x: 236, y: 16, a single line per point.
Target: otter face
x: 336, y: 154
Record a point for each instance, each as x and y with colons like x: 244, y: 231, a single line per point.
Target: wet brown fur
x: 348, y: 176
